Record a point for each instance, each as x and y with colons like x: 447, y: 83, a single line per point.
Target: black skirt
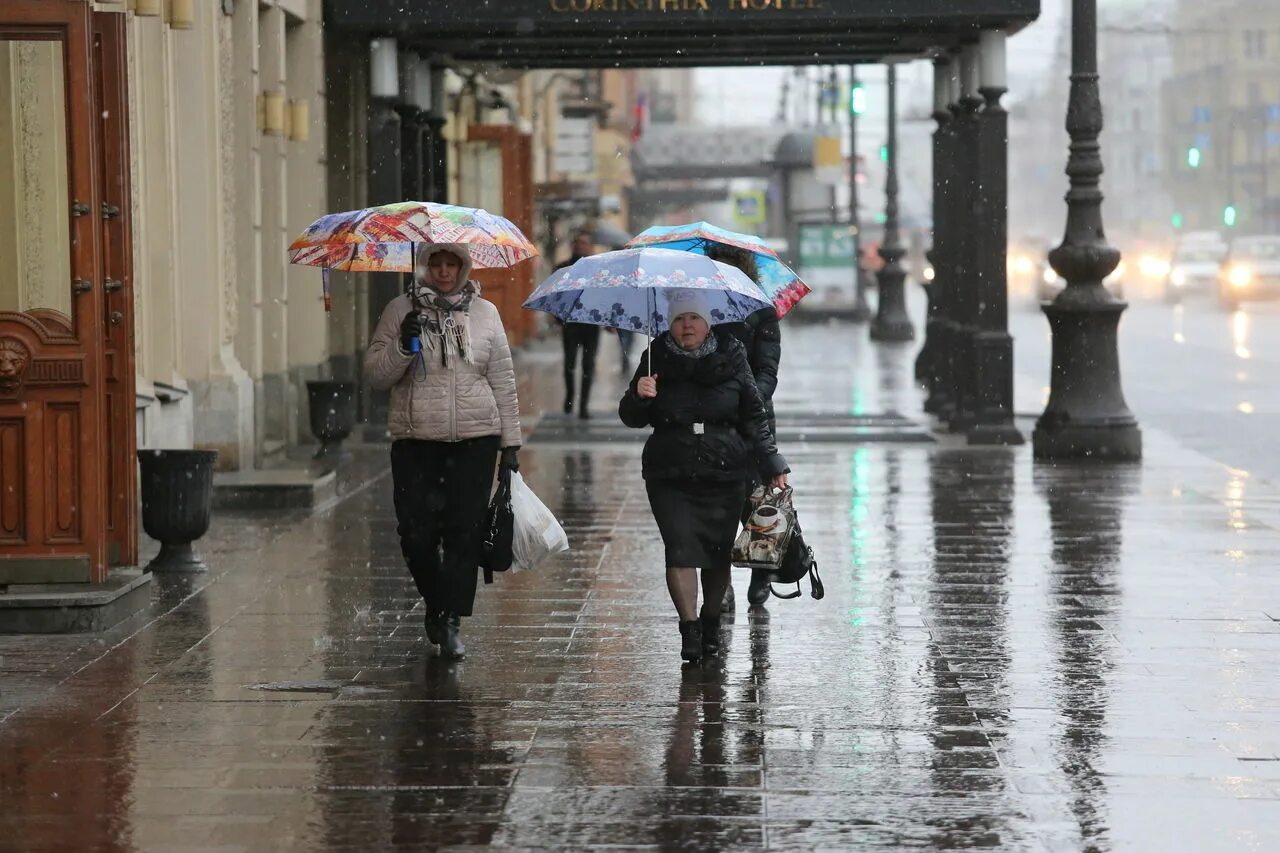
x: 697, y: 520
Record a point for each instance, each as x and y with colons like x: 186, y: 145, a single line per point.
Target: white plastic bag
x: 537, y: 533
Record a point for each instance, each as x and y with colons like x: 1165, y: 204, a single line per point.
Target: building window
x: 1255, y: 44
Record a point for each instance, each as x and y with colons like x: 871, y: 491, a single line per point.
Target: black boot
x: 758, y: 592
x: 435, y: 627
x: 710, y: 634
x: 585, y: 397
x: 727, y: 605
x: 691, y: 640
x: 451, y: 646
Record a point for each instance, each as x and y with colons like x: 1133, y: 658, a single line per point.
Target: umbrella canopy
x: 628, y: 289
x: 382, y: 239
x: 779, y: 282
x: 385, y: 238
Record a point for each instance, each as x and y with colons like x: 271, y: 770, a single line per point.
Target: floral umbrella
x: 779, y: 282
x: 385, y: 239
x: 628, y: 289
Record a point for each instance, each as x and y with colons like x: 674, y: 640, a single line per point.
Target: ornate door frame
x: 63, y: 501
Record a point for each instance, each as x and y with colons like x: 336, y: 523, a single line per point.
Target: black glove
x: 410, y: 330
x: 509, y: 461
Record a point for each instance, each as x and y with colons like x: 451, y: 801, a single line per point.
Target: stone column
x: 964, y: 295
x: 221, y: 389
x: 276, y: 398
x: 307, y: 324
x: 1086, y: 416
x: 892, y: 324
x: 992, y: 344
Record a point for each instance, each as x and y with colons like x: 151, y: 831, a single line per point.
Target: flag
x: 639, y: 117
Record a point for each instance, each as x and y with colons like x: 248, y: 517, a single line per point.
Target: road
x: 1206, y: 376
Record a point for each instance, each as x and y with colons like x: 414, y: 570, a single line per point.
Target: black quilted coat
x: 717, y: 391
x: 761, y: 335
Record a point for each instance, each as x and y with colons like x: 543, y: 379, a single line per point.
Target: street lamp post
x: 1086, y: 416
x: 931, y: 361
x: 861, y: 310
x: 892, y: 324
x: 992, y: 345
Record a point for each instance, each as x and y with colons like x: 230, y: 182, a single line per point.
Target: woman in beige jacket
x: 443, y: 353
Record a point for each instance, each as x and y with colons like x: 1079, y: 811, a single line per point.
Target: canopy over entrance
x: 642, y: 33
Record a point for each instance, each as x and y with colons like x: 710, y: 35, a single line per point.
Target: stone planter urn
x: 333, y: 414
x: 177, y: 495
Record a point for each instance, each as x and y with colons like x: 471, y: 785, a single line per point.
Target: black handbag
x: 499, y: 530
x: 797, y: 562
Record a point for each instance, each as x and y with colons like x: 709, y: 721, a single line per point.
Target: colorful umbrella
x: 385, y: 239
x: 628, y: 289
x: 777, y: 280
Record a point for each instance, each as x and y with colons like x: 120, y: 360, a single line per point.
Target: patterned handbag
x: 765, y: 536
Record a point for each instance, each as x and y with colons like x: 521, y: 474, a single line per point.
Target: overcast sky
x: 749, y: 96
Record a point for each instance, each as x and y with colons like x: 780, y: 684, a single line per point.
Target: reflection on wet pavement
x: 1009, y: 656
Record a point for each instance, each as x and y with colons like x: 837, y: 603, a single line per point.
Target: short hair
x: 743, y: 259
x: 582, y: 232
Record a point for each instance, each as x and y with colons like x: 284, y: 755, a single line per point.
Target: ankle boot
x: 758, y: 592
x: 730, y: 600
x: 435, y: 627
x: 710, y: 634
x: 451, y: 646
x: 691, y: 640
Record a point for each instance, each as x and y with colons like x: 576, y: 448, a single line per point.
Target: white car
x: 1194, y: 267
x: 1250, y: 272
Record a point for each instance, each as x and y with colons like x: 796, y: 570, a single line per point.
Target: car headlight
x: 1022, y: 265
x: 928, y: 273
x: 1153, y: 267
x: 1050, y: 277
x: 1178, y: 277
x: 1240, y: 276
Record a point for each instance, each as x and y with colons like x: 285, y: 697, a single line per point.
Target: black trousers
x: 585, y: 337
x: 442, y: 499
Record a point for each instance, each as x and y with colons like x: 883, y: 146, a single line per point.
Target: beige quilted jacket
x: 437, y: 403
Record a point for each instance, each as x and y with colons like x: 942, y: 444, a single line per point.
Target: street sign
x: 828, y: 161
x: 749, y: 208
x: 825, y: 246
x: 575, y: 148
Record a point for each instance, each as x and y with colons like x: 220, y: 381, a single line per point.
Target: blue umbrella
x: 628, y: 289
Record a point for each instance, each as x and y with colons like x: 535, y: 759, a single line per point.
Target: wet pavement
x: 1009, y: 655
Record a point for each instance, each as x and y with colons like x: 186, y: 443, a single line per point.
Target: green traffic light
x: 884, y: 153
x: 1176, y: 220
x: 1229, y: 215
x: 857, y: 99
x: 1193, y: 157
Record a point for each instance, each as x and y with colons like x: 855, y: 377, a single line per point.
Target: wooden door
x: 53, y: 450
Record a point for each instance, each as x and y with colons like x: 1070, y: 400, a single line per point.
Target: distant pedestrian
x: 442, y: 351
x: 710, y: 434
x: 761, y: 336
x: 579, y: 336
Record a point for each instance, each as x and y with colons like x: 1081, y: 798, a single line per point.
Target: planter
x: 177, y: 495
x: 333, y: 414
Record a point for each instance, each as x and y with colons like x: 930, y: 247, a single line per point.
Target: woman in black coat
x: 761, y: 336
x: 710, y: 433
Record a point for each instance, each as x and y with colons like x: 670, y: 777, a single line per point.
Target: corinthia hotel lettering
x: 680, y: 5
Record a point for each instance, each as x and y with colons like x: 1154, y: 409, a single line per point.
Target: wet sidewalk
x: 1009, y: 655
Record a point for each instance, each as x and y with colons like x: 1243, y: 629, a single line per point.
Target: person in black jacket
x: 761, y: 335
x: 579, y: 336
x: 710, y: 435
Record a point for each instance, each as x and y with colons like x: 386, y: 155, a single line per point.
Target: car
x: 1250, y: 271
x: 1194, y: 266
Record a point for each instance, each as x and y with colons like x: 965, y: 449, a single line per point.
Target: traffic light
x: 857, y: 99
x: 1193, y: 157
x: 884, y: 153
x: 1229, y: 215
x: 1176, y: 220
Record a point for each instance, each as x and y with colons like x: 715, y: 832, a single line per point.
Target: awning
x: 645, y: 33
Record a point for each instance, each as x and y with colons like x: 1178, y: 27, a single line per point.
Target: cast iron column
x: 384, y: 152
x: 861, y: 310
x: 992, y: 344
x: 963, y: 302
x: 934, y: 351
x: 1086, y: 416
x: 892, y: 323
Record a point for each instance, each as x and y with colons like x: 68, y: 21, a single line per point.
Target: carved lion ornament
x: 14, y: 358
